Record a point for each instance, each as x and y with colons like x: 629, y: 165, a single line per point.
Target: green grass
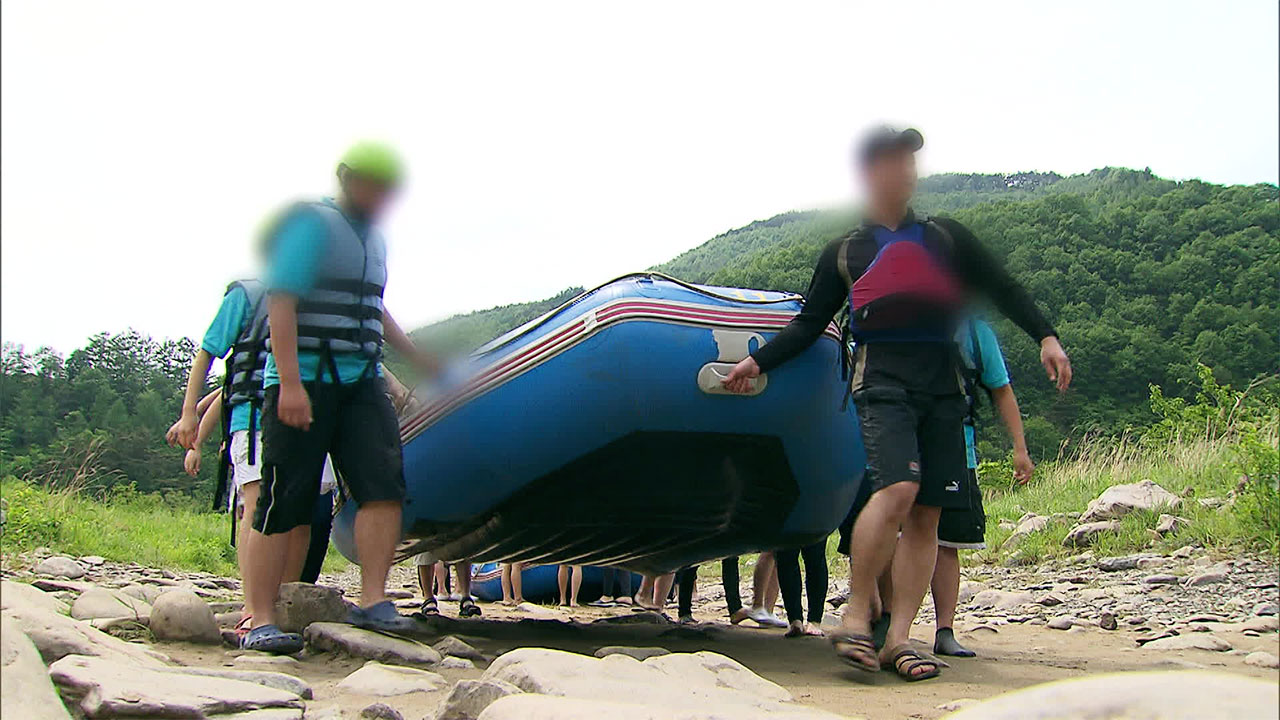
x: 174, y: 532
x: 1199, y: 468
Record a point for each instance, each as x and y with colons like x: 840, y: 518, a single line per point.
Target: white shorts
x: 243, y: 472
x: 424, y: 559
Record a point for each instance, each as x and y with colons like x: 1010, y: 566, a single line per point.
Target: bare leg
x: 644, y: 596
x: 441, y: 573
x: 912, y: 569
x: 462, y: 571
x: 268, y: 555
x: 506, y: 584
x: 299, y: 543
x: 762, y: 581
x: 576, y: 585
x: 946, y: 595
x: 377, y: 532
x: 774, y: 587
x: 872, y: 547
x: 425, y: 576
x: 946, y: 586
x: 248, y: 499
x: 562, y: 578
x: 517, y: 583
x: 661, y: 589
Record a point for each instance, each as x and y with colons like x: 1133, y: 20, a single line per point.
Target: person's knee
x: 897, y: 500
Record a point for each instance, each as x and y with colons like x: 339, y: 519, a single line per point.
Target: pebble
x: 1062, y: 622
x: 380, y: 711
x: 953, y: 705
x: 1107, y: 621
x: 1115, y: 564
x: 94, y: 560
x: 1209, y: 578
x: 1266, y: 608
x: 1183, y: 552
x: 1163, y: 579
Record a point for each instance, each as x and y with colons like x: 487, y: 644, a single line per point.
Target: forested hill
x: 1143, y: 276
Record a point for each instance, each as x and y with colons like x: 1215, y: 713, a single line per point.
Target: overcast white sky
x: 555, y: 144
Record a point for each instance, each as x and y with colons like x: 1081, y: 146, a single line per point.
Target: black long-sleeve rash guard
x: 916, y: 365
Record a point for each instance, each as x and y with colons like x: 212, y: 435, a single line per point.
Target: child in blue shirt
x: 964, y: 528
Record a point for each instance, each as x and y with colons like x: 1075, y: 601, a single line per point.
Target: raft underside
x: 650, y: 502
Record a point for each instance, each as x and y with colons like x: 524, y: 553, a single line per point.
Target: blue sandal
x: 383, y: 617
x: 271, y: 639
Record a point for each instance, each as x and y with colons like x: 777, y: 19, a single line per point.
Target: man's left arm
x: 980, y: 269
x: 397, y: 338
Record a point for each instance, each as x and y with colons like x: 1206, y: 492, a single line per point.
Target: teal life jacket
x: 342, y: 313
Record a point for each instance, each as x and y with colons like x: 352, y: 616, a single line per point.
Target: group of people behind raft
x: 304, y: 389
x: 305, y: 405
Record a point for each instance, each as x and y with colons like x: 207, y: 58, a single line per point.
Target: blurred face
x: 366, y: 196
x: 891, y: 177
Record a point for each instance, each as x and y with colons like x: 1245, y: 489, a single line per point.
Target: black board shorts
x: 355, y: 424
x: 965, y: 528
x: 915, y: 437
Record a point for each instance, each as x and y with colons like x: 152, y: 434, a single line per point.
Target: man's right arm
x: 826, y: 295
x: 293, y: 405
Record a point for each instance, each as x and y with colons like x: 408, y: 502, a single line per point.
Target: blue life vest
x: 342, y: 313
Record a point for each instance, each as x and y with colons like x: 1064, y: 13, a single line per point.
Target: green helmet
x: 374, y: 160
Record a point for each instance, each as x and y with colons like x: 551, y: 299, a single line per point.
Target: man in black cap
x: 906, y: 279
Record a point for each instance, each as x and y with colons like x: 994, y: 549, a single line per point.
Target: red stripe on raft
x: 575, y: 329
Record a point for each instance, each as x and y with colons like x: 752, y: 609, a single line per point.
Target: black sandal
x: 857, y: 646
x: 468, y: 608
x: 904, y: 660
x: 429, y: 607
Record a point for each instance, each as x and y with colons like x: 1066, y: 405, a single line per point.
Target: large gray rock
x: 550, y: 707
x: 1085, y: 533
x: 16, y: 594
x: 301, y: 604
x: 1028, y: 524
x: 342, y: 638
x: 451, y: 646
x: 1262, y: 660
x: 60, y: 566
x: 678, y: 685
x: 27, y: 692
x: 105, y: 689
x: 146, y: 593
x: 639, y: 653
x: 388, y: 680
x: 469, y: 698
x: 1002, y: 599
x: 1119, y: 500
x: 1167, y: 695
x: 277, y: 680
x: 103, y: 603
x: 183, y: 615
x: 1191, y: 641
x: 56, y: 636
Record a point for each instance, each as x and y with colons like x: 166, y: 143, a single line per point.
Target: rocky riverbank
x: 114, y: 640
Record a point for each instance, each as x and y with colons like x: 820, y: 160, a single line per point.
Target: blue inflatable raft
x: 539, y: 583
x: 599, y: 434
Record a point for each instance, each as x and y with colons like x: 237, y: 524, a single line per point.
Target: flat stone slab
x: 104, y: 689
x: 350, y: 640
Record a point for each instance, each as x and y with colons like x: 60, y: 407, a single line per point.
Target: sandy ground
x: 1015, y: 656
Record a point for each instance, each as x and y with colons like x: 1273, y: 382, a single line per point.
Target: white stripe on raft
x: 580, y: 328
